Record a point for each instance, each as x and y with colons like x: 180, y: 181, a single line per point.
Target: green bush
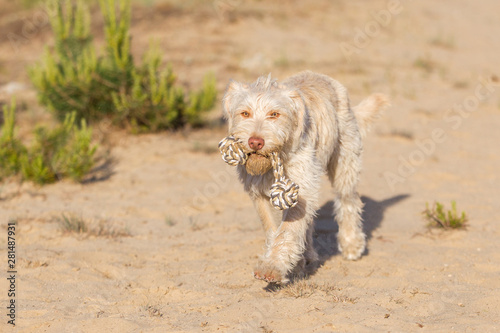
x: 65, y: 151
x: 71, y: 77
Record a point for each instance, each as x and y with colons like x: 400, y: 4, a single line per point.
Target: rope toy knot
x: 284, y: 193
x: 231, y: 151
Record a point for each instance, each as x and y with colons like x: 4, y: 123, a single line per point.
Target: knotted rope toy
x: 284, y: 193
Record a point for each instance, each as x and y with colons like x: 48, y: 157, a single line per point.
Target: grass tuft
x: 439, y: 217
x: 70, y: 223
x: 170, y: 221
x: 447, y: 42
x: 425, y: 64
x: 304, y: 289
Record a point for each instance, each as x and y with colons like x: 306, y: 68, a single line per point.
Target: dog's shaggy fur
x: 309, y: 121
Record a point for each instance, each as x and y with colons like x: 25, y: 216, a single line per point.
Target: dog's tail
x: 369, y: 110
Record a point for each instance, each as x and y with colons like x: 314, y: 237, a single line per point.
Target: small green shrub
x: 11, y: 149
x: 65, y: 151
x: 143, y: 98
x: 439, y: 217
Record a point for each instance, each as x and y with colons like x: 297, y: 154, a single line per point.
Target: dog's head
x: 264, y: 116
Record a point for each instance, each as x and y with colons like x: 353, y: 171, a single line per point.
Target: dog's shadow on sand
x: 325, y: 231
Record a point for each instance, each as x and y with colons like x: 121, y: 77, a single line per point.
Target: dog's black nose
x: 256, y: 143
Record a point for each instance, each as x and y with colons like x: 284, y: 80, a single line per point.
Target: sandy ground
x: 179, y: 237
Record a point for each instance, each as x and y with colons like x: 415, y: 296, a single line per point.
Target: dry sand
x: 183, y: 237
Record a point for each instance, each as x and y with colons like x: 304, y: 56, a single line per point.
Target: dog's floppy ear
x: 232, y: 89
x: 300, y: 110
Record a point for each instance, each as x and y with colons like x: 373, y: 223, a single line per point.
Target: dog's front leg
x: 267, y: 216
x: 286, y: 247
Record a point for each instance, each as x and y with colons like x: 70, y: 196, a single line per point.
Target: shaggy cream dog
x: 308, y: 120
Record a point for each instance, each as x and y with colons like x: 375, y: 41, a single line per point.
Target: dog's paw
x: 269, y: 273
x: 352, y: 247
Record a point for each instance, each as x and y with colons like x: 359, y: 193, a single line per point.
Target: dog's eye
x: 274, y: 114
x: 245, y: 114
